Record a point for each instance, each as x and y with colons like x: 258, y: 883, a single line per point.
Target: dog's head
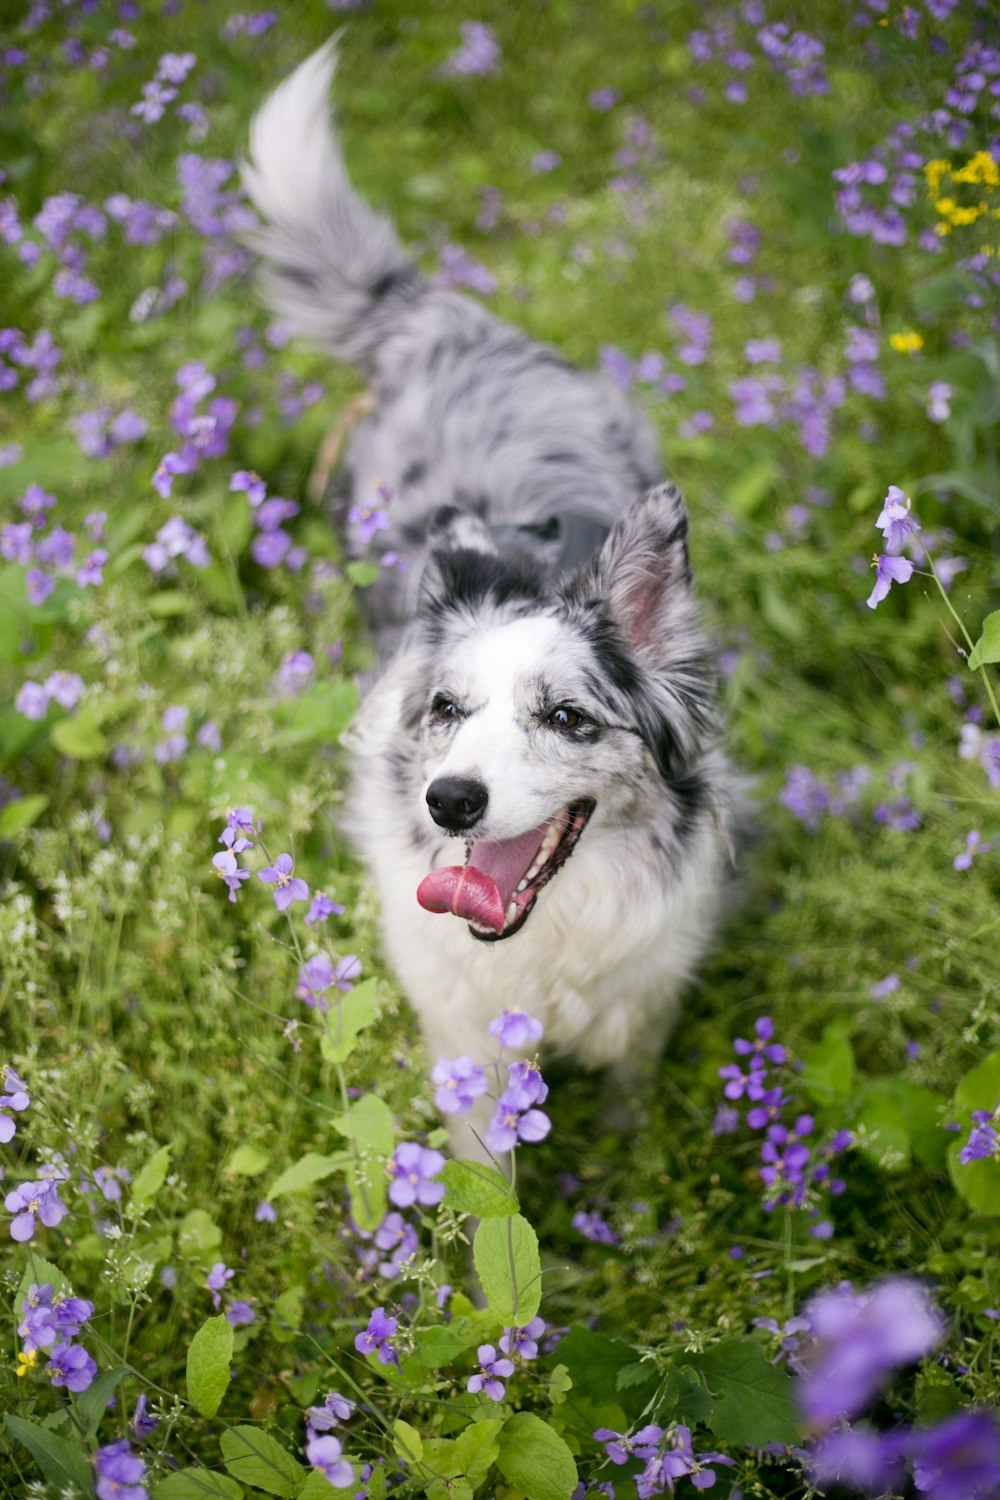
x: 542, y: 703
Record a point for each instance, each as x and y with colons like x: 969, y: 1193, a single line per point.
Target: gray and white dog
x: 547, y: 689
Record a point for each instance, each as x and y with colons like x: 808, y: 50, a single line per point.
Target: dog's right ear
x: 641, y: 573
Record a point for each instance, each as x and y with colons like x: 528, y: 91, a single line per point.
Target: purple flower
x: 264, y: 1213
x: 973, y: 846
x: 677, y: 1463
x: 763, y: 1046
x: 512, y: 1122
x: 13, y: 1095
x: 515, y: 1029
x: 983, y: 1143
x: 251, y: 483
x: 70, y: 1365
x: 289, y: 888
x: 594, y: 1228
x: 604, y: 99
x: 322, y: 908
x: 120, y: 1473
x: 296, y: 672
x: 883, y: 988
x: 217, y: 1279
x: 492, y: 1373
x: 860, y: 1339
x: 377, y: 1337
x: 34, y: 1200
x: 620, y: 1448
x: 38, y: 585
x: 895, y: 522
x: 240, y: 1314
x: 458, y: 1084
x: 960, y: 1459
x: 142, y: 1425
x: 523, y: 1342
x: 888, y: 570
x: 324, y: 1454
x: 479, y: 54
x: 336, y: 1408
x: 862, y: 1459
x: 32, y: 700
x: 230, y: 872
x: 411, y: 1170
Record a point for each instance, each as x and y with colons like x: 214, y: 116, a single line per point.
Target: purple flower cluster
x: 666, y: 1455
x: 172, y: 70
x: 13, y: 1096
x: 51, y: 1321
x: 272, y: 547
x: 42, y: 355
x: 898, y: 527
x: 236, y: 837
x: 119, y: 1473
x: 459, y: 1082
x: 479, y: 55
x: 205, y: 432
x: 795, y: 56
x: 51, y: 553
x: 319, y: 973
x: 984, y: 1141
x: 795, y: 1172
x: 516, y: 1118
x: 324, y: 1451
x: 377, y: 1337
x: 175, y: 539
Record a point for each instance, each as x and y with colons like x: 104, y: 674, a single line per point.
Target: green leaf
x: 977, y: 1181
x: 472, y: 1187
x: 79, y: 737
x: 24, y: 813
x: 828, y: 1067
x: 437, y: 1346
x: 749, y: 489
x: 286, y: 1319
x: 987, y: 648
x: 209, y: 1354
x: 535, y: 1459
x: 362, y: 574
x: 753, y: 1398
x: 198, y: 1484
x: 347, y: 1017
x: 199, y: 1234
x: 477, y: 1448
x: 308, y: 1169
x: 886, y: 1140
x: 170, y: 602
x: 321, y: 713
x: 318, y: 1487
x: 60, y: 1461
x: 685, y: 1397
x: 253, y: 1457
x: 505, y: 1253
x: 594, y: 1360
x: 407, y: 1441
x: 151, y: 1176
x: 92, y: 1403
x: 247, y: 1161
x: 369, y: 1123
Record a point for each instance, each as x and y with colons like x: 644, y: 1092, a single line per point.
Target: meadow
x: 234, y: 1260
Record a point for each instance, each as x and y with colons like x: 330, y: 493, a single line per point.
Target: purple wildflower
x: 492, y: 1373
x: 240, y: 1314
x: 218, y: 1276
x: 142, y: 1425
x: 230, y: 872
x: 411, y: 1170
x: 861, y: 1338
x: 377, y: 1337
x: 762, y: 1046
x: 960, y: 1459
x: 289, y: 888
x: 120, y: 1473
x: 265, y: 1213
x: 479, y: 54
x: 620, y: 1447
x: 515, y: 1029
x: 523, y: 1342
x: 458, y: 1084
x: 322, y: 908
x: 594, y: 1228
x: 324, y: 1453
x: 13, y: 1096
x: 34, y: 1200
x: 70, y: 1365
x: 983, y: 1143
x: 888, y: 570
x: 336, y: 1408
x: 513, y: 1122
x: 895, y: 522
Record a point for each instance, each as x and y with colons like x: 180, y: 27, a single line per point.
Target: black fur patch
x: 414, y: 473
x: 470, y: 579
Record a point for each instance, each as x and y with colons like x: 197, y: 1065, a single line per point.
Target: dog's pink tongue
x: 480, y: 890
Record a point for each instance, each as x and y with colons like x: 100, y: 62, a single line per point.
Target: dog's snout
x: 456, y: 802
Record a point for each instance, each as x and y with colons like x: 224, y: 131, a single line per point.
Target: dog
x: 538, y: 786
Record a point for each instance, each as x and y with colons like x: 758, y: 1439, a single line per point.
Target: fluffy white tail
x: 334, y: 270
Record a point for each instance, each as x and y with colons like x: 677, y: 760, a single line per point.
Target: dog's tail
x: 334, y: 270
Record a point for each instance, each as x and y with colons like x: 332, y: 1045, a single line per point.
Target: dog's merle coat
x: 518, y: 691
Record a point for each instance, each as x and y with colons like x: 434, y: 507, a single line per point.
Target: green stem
x: 968, y: 639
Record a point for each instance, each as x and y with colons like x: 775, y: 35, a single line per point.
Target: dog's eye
x: 564, y: 717
x: 445, y: 710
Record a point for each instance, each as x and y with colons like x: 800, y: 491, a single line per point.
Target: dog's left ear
x: 641, y: 574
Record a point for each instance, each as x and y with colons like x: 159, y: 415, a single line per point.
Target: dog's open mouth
x: 498, y: 885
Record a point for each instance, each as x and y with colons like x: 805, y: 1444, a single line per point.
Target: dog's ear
x: 641, y: 573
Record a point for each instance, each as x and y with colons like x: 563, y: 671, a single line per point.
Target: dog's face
x: 541, y: 708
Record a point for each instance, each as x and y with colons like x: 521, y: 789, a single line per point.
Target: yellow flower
x: 907, y: 343
x: 946, y: 206
x: 934, y: 171
x: 26, y: 1361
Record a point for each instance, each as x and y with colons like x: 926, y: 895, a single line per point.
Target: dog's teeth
x: 510, y: 914
x: 523, y: 885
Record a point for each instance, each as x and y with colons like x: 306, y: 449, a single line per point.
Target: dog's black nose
x: 456, y: 802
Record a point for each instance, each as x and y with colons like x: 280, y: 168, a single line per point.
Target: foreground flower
x: 230, y: 872
x: 960, y: 1459
x: 514, y: 1122
x: 31, y: 1201
x: 862, y: 1337
x: 13, y: 1096
x: 459, y: 1083
x: 120, y: 1473
x: 324, y: 1454
x: 523, y: 1341
x: 491, y: 1374
x: 377, y: 1337
x: 983, y: 1142
x: 895, y: 522
x: 289, y: 888
x: 411, y: 1169
x: 888, y: 570
x: 71, y: 1366
x: 515, y: 1029
x: 336, y: 1408
x: 620, y: 1448
x: 677, y: 1463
